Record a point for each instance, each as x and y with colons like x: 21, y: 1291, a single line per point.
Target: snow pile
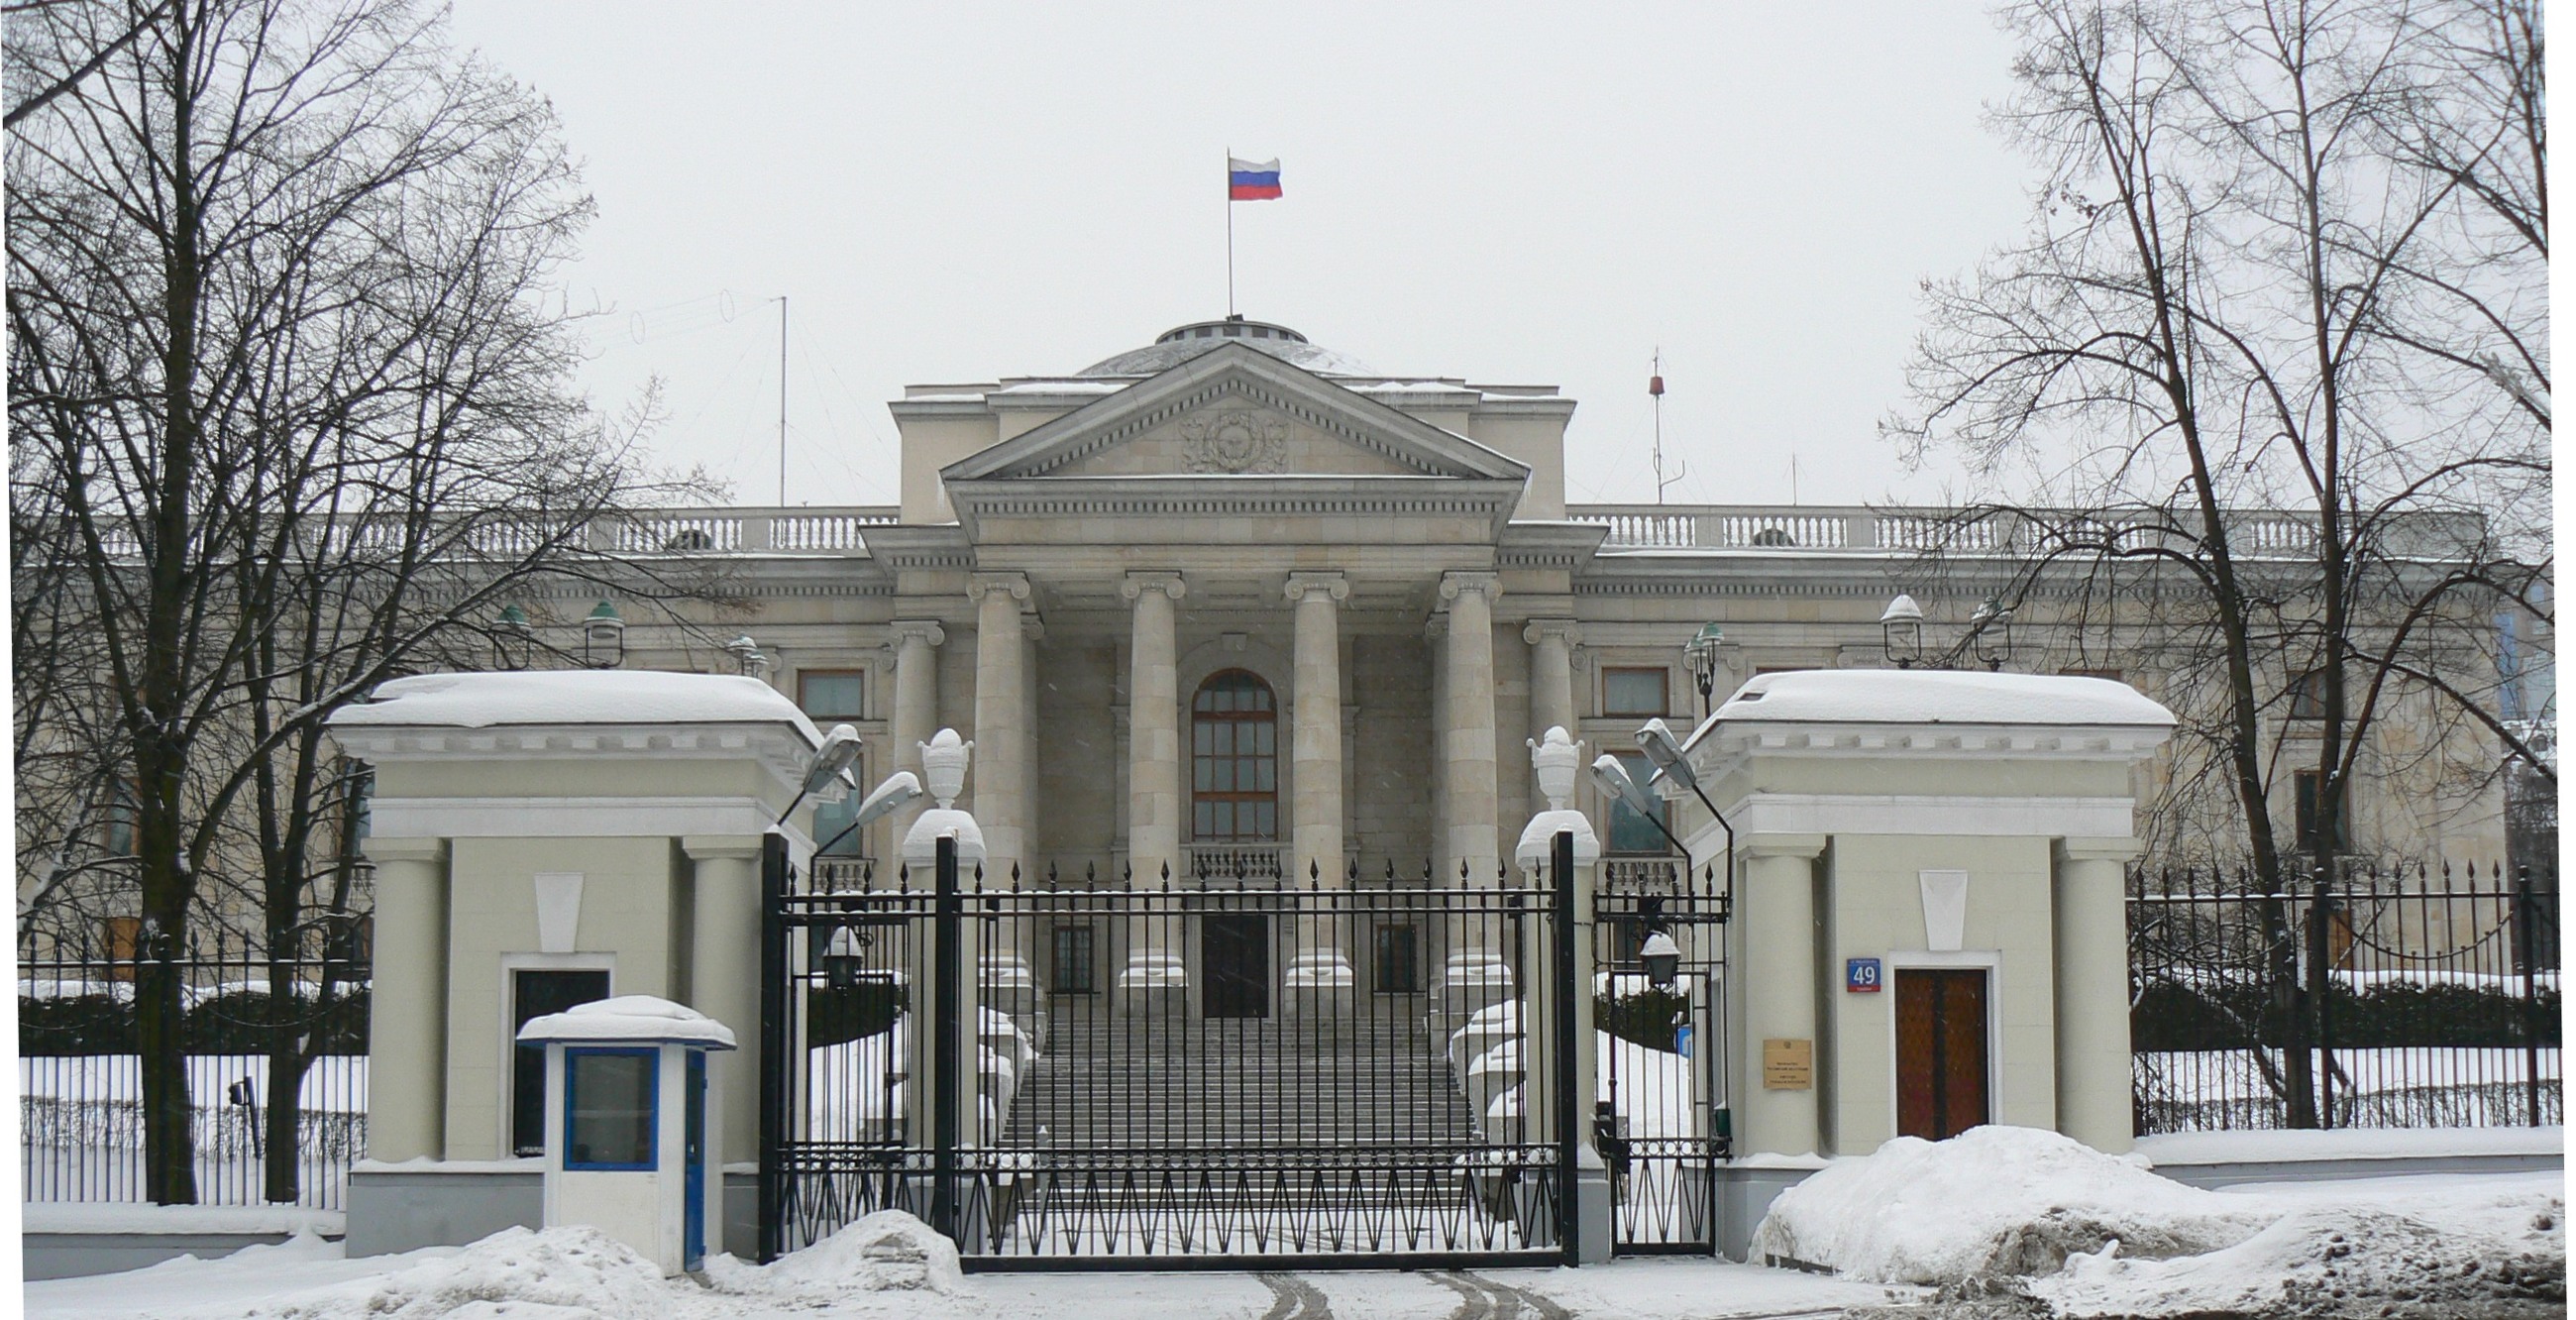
x: 2488, y: 1253
x: 888, y: 1251
x: 566, y: 1273
x: 1992, y: 1204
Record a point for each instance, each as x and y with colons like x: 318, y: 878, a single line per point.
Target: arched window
x: 1234, y: 760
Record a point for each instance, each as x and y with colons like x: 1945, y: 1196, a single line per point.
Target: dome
x: 1178, y: 345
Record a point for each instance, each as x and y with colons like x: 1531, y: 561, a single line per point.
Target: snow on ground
x: 137, y: 1217
x: 1990, y: 1203
x: 2028, y: 1213
x: 870, y: 1269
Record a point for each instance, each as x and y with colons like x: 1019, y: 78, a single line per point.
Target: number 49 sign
x: 1861, y: 976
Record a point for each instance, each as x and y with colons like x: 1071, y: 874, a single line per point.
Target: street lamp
x: 747, y: 659
x: 1902, y: 629
x: 1662, y: 957
x: 1700, y: 654
x: 603, y: 637
x: 1988, y: 640
x: 514, y: 639
x: 901, y: 789
x: 1990, y: 632
x: 1656, y: 740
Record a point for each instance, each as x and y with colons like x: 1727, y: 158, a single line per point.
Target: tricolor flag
x: 1251, y: 180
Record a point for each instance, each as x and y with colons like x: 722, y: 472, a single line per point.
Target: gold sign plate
x: 1788, y: 1065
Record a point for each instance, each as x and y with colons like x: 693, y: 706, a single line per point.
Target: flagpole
x: 1229, y: 233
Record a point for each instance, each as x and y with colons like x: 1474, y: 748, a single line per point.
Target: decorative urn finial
x: 1556, y: 758
x: 943, y: 766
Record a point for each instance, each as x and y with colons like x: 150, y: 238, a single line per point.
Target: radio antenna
x: 1655, y: 388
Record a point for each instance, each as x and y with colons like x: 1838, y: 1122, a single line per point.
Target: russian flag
x: 1251, y: 180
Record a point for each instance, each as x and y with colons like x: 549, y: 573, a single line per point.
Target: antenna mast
x: 782, y: 400
x: 1655, y: 387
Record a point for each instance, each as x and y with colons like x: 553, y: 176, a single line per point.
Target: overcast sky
x: 959, y: 192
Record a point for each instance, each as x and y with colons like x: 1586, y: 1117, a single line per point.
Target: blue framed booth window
x: 608, y: 1108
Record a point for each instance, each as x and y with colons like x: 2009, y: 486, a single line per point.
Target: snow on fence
x: 2377, y: 995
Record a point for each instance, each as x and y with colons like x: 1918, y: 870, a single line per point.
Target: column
x: 1772, y: 978
x: 1316, y: 739
x: 407, y: 1014
x: 1552, y: 643
x: 1466, y: 738
x: 1319, y: 976
x: 2092, y: 1009
x: 1001, y: 723
x: 1153, y: 776
x: 915, y: 643
x: 724, y: 973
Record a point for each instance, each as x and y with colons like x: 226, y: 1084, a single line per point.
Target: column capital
x: 1456, y: 583
x: 721, y: 847
x: 980, y: 585
x: 1330, y: 586
x: 1033, y: 626
x: 1563, y: 630
x: 1436, y: 627
x: 926, y: 631
x: 381, y: 848
x: 1138, y: 582
x: 1803, y: 846
x: 2099, y: 850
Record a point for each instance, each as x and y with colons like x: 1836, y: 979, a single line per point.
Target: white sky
x: 957, y: 192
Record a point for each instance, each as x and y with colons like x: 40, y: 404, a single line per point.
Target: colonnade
x: 1465, y: 794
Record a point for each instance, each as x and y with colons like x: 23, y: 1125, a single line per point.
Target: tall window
x: 1074, y: 961
x: 1634, y: 692
x: 535, y: 993
x: 830, y: 696
x: 1630, y: 832
x: 1234, y: 760
x: 2308, y: 696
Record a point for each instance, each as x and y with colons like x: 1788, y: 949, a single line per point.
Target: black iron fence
x: 273, y: 1048
x: 1068, y: 1071
x: 2366, y: 994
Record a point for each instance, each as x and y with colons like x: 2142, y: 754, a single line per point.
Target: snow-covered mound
x: 2491, y: 1254
x: 557, y: 1274
x: 1990, y: 1204
x: 888, y: 1251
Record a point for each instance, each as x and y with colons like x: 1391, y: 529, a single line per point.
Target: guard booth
x: 629, y: 1132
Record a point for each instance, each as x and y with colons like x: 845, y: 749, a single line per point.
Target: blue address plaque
x: 1862, y: 976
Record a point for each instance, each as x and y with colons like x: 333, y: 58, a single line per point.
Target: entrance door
x: 1940, y: 1051
x: 1234, y: 957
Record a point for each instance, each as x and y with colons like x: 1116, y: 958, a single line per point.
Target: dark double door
x: 1941, y: 1054
x: 1234, y: 964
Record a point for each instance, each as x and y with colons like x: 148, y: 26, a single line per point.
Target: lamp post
x: 1990, y: 633
x: 747, y: 659
x: 1700, y: 654
x: 1901, y: 629
x: 603, y: 637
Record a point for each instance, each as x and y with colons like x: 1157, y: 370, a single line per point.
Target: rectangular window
x: 608, y: 1108
x: 1634, y: 692
x: 1630, y: 832
x: 1399, y: 960
x: 832, y: 694
x: 535, y: 993
x: 1074, y: 964
x: 2308, y: 696
x: 2305, y: 785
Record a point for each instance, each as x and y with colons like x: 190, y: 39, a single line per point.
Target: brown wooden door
x: 1940, y: 1051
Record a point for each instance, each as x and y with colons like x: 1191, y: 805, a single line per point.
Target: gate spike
x: 979, y: 875
x: 1091, y: 875
x: 1015, y: 877
x: 903, y: 878
x: 1351, y: 874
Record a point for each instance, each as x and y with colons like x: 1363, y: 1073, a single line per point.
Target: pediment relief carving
x: 1234, y: 436
x: 1234, y: 441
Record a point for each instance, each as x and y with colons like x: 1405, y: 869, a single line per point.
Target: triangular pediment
x: 1236, y: 412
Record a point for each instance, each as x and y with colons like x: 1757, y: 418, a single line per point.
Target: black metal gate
x: 1069, y: 1071
x: 1661, y: 1118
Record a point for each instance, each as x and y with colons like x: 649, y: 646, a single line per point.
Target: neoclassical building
x: 1235, y: 603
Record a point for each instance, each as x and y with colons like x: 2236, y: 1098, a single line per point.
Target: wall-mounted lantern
x: 1988, y: 639
x: 1700, y: 654
x: 747, y: 659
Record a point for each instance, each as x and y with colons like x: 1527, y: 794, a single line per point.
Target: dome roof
x: 1181, y: 343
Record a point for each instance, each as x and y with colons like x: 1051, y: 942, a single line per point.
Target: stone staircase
x: 1371, y: 1079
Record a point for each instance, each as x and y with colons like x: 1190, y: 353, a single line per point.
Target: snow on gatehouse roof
x: 1927, y: 696
x: 577, y: 696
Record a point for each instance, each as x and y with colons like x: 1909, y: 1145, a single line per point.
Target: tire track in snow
x: 1484, y: 1299
x: 1296, y: 1299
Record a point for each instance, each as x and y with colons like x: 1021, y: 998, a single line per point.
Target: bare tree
x: 290, y: 414
x: 2282, y: 260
